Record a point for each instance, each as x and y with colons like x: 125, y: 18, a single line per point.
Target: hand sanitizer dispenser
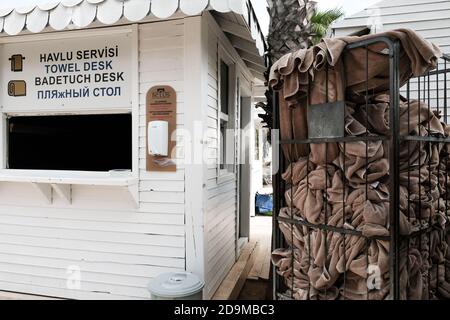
x: 158, y: 138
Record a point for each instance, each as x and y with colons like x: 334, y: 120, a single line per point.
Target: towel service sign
x: 67, y: 74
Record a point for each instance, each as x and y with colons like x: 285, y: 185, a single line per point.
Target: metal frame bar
x: 277, y: 157
x: 392, y: 137
x: 394, y: 122
x: 252, y: 14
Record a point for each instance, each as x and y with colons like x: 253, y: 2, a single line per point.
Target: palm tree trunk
x: 290, y: 27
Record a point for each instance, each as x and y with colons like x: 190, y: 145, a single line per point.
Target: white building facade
x: 85, y: 231
x: 429, y: 18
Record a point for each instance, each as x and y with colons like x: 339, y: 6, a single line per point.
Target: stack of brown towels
x: 345, y: 185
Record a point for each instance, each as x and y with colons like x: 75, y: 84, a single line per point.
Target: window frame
x: 257, y: 156
x: 103, y: 178
x: 227, y: 169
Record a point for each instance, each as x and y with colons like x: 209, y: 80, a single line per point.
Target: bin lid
x: 175, y: 284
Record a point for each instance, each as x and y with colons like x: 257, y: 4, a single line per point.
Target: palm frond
x: 327, y: 17
x: 321, y: 21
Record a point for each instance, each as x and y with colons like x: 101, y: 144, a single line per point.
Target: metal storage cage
x: 416, y: 189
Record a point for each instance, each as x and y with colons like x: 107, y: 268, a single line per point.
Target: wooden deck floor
x: 261, y: 231
x: 236, y: 279
x: 258, y: 285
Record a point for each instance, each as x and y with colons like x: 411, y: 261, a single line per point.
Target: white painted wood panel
x: 399, y: 3
x: 220, y: 219
x: 117, y: 246
x: 122, y: 242
x: 402, y: 18
x: 407, y: 7
x: 195, y: 70
x: 430, y: 18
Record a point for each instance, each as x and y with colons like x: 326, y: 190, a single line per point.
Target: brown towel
x: 294, y: 70
x: 327, y: 182
x: 322, y: 268
x: 317, y: 75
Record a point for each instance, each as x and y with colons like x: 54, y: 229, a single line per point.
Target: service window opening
x: 73, y: 142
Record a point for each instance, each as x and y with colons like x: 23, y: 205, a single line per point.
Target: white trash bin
x: 176, y: 286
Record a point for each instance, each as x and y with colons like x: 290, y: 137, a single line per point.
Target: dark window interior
x: 81, y: 142
x: 224, y: 83
x: 223, y: 144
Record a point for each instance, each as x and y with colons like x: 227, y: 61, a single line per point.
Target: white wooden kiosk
x: 74, y: 77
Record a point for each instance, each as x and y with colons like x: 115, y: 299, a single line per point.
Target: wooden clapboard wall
x: 117, y: 247
x: 220, y: 212
x: 221, y: 193
x: 430, y: 18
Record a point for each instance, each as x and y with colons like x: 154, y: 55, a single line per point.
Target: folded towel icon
x: 17, y: 62
x: 17, y: 88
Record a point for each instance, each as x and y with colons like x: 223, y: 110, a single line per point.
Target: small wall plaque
x: 162, y: 106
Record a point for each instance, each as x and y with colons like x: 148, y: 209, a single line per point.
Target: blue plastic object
x: 264, y: 203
